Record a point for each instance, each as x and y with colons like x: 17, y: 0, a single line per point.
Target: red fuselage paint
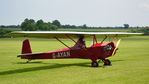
x: 96, y: 51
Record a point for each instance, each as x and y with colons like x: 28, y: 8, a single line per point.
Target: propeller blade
x: 117, y: 44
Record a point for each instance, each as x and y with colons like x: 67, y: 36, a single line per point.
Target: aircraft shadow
x: 116, y: 60
x: 33, y: 62
x: 53, y: 66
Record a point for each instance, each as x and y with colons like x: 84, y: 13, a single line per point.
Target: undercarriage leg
x: 107, y: 62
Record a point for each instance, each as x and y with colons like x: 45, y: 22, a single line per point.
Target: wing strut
x: 76, y: 43
x: 62, y: 42
x: 94, y: 39
x: 104, y: 39
x: 70, y: 38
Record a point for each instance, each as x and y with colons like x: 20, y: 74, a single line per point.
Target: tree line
x: 40, y: 25
x: 32, y: 25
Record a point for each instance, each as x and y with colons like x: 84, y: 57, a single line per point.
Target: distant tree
x: 126, y: 26
x: 10, y: 26
x: 4, y: 32
x: 2, y: 26
x: 144, y: 30
x: 73, y: 26
x: 68, y: 26
x: 84, y: 26
x: 28, y: 25
x: 56, y: 23
x: 45, y: 27
x: 53, y: 27
x: 40, y: 24
x: 31, y: 25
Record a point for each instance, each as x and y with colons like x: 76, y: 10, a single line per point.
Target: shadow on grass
x: 9, y: 72
x: 35, y: 62
x: 116, y: 60
x: 53, y: 66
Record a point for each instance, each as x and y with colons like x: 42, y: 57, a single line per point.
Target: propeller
x: 117, y: 44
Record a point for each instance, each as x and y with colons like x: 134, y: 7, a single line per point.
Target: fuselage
x: 96, y: 51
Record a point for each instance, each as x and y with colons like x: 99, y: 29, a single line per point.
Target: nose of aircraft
x: 108, y: 48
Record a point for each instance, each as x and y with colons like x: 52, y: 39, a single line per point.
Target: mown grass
x: 129, y: 66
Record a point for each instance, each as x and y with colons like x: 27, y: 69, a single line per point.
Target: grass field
x: 129, y: 66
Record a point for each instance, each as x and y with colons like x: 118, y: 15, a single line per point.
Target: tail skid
x: 26, y: 48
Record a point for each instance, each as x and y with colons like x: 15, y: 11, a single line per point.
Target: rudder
x: 26, y: 48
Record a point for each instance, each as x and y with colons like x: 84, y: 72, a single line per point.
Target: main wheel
x: 94, y: 64
x: 107, y: 62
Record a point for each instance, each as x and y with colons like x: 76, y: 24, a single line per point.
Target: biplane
x: 99, y: 50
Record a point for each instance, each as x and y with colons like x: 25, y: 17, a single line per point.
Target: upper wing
x: 62, y: 34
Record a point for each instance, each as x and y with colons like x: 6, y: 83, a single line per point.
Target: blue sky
x: 77, y: 12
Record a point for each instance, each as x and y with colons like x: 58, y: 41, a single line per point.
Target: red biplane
x: 97, y: 51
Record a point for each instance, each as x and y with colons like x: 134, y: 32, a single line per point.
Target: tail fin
x: 26, y: 48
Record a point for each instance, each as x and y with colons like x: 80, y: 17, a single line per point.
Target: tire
x: 107, y: 62
x: 94, y: 64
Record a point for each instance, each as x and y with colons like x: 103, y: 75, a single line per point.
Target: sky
x: 77, y: 12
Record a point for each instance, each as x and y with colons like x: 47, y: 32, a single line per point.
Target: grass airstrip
x: 129, y: 66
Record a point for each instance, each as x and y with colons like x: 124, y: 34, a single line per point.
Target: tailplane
x: 26, y: 48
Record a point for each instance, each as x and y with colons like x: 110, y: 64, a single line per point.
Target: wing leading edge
x: 62, y: 34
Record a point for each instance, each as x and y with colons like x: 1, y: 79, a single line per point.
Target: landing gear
x: 94, y: 64
x: 107, y: 62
